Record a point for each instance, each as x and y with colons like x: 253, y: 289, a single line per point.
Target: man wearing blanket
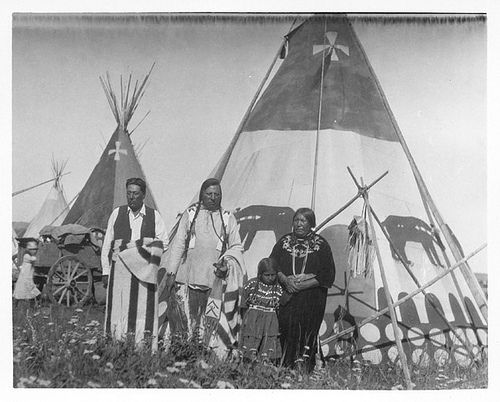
x: 130, y: 256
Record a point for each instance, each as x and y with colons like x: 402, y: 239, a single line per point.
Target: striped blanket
x: 173, y: 308
x: 132, y: 297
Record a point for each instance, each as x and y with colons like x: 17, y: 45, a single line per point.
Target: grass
x: 59, y: 347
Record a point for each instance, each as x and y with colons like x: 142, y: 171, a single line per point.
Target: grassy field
x: 58, y: 347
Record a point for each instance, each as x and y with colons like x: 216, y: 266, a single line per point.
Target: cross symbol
x: 117, y: 151
x: 331, y: 37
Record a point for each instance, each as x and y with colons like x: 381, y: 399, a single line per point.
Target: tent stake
x: 392, y: 312
x: 404, y: 299
x: 466, y: 345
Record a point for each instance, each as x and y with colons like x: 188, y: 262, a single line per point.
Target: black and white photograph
x: 280, y: 200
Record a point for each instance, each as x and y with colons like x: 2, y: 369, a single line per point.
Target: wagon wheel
x: 69, y: 282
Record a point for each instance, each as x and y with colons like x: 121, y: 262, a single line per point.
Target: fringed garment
x: 184, y: 310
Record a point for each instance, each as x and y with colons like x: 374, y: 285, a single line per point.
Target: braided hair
x: 207, y: 183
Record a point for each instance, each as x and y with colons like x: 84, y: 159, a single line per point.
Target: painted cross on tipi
x: 117, y: 151
x: 331, y: 37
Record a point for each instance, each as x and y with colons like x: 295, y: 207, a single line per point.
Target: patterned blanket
x: 173, y: 307
x: 132, y: 297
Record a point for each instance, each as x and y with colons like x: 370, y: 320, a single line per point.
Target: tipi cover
x: 105, y: 188
x: 54, y: 209
x: 322, y: 111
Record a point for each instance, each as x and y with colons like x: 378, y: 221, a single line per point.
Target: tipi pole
x: 386, y: 234
x: 404, y: 299
x: 436, y: 309
x: 316, y: 147
x: 225, y: 158
x: 349, y: 203
x: 38, y: 185
x: 392, y: 311
x: 427, y: 199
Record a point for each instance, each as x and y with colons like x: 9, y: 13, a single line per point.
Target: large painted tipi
x: 323, y: 111
x: 55, y: 207
x: 105, y: 188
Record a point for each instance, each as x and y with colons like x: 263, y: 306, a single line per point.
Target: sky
x: 205, y: 75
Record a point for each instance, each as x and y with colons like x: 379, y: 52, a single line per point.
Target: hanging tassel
x: 284, y: 50
x: 361, y: 250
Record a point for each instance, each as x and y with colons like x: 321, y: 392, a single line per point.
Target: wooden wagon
x: 68, y: 263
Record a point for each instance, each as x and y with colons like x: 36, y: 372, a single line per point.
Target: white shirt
x: 135, y: 225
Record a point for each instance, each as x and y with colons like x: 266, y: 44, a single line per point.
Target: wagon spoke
x: 75, y: 270
x: 58, y: 290
x: 76, y: 299
x: 70, y: 269
x: 58, y: 283
x: 62, y: 295
x: 80, y: 274
x: 56, y: 273
x: 67, y: 299
x: 79, y: 290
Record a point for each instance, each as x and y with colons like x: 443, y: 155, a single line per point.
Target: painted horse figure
x: 257, y: 218
x: 403, y: 229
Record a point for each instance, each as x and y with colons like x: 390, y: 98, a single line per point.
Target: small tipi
x: 55, y: 207
x: 105, y: 188
x: 322, y: 111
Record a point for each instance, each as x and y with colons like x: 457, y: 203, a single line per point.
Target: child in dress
x: 25, y: 289
x: 260, y: 331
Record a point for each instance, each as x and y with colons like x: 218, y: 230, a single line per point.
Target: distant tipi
x: 105, y: 188
x: 322, y: 111
x: 55, y: 207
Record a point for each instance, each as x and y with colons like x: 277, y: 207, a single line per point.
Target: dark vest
x: 122, y: 224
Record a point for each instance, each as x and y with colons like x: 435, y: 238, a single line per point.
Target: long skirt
x: 131, y: 307
x: 259, y: 335
x: 299, y: 323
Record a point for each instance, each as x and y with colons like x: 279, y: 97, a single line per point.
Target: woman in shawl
x: 306, y: 271
x: 206, y: 235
